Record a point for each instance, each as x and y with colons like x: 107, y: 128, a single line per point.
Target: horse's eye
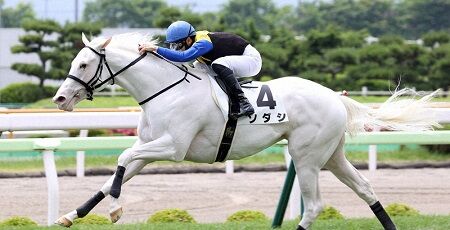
x: 83, y: 66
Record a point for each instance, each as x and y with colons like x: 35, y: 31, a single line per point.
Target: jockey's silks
x: 207, y: 47
x: 224, y: 44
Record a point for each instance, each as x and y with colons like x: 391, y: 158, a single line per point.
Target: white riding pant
x: 246, y: 65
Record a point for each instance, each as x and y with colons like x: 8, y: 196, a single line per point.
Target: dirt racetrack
x: 212, y: 197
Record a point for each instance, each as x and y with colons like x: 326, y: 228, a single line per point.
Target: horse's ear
x: 106, y: 43
x: 84, y: 39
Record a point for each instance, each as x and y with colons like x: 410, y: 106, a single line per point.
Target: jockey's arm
x: 196, y: 50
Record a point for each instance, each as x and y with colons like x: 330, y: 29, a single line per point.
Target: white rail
x: 78, y: 120
x: 109, y: 120
x: 101, y: 120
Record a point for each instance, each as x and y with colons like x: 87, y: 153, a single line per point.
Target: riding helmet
x: 179, y: 30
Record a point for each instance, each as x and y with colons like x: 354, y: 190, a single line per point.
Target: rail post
x: 296, y: 197
x: 229, y: 167
x: 284, y: 198
x: 81, y: 156
x: 47, y: 146
x: 372, y: 157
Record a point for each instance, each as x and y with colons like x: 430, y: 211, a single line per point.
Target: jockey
x: 229, y: 55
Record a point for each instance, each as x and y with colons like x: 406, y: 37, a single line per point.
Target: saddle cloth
x: 269, y: 108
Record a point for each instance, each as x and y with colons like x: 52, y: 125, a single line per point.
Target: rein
x: 186, y: 73
x: 92, y: 85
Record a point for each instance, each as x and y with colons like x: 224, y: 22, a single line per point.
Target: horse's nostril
x: 60, y: 99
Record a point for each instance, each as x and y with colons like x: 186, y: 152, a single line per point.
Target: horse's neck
x: 147, y: 77
x: 142, y: 79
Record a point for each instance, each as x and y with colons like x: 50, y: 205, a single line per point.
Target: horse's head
x: 84, y: 73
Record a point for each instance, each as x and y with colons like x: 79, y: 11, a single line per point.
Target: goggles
x: 177, y: 45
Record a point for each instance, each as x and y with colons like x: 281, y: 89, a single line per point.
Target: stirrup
x: 242, y: 113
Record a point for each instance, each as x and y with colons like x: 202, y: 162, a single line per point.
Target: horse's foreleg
x: 160, y: 149
x: 67, y: 220
x: 133, y: 168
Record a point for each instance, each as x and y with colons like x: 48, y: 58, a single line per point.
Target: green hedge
x: 25, y: 93
x: 171, y: 216
x: 330, y: 212
x: 18, y: 221
x: 398, y: 209
x: 93, y: 219
x: 247, y: 215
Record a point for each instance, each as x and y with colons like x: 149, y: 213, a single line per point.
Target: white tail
x: 395, y: 114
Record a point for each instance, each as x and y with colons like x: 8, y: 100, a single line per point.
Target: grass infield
x: 68, y: 161
x: 421, y: 222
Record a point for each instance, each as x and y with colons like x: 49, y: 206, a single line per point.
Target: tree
x: 36, y: 41
x: 320, y: 40
x: 338, y: 59
x: 212, y: 22
x: 69, y: 45
x: 279, y: 52
x: 273, y: 56
x: 389, y: 63
x: 407, y: 64
x: 435, y: 38
x: 123, y: 13
x: 425, y: 16
x: 438, y: 61
x: 55, y: 55
x: 391, y: 39
x: 13, y: 17
x: 167, y: 15
x: 309, y: 17
x: 369, y: 75
x: 235, y: 12
x: 439, y: 76
x: 354, y: 39
x: 377, y: 16
x: 375, y: 53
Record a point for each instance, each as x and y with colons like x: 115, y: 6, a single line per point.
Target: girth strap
x: 228, y: 134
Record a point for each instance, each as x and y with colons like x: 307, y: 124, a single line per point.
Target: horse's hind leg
x: 67, y: 220
x: 348, y: 174
x: 308, y: 178
x: 308, y: 159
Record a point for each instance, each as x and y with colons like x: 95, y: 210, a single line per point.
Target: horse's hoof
x: 115, y: 215
x: 63, y: 222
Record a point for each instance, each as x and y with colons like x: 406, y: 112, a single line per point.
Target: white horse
x: 182, y: 122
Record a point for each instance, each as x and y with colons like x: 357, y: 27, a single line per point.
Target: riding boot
x: 234, y: 90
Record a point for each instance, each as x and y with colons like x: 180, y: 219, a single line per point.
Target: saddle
x: 269, y: 109
x: 230, y: 125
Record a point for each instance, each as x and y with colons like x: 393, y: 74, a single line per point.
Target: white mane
x: 128, y: 41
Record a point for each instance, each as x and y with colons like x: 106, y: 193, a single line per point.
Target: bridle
x: 96, y: 81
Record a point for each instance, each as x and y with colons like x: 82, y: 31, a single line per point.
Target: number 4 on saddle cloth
x: 269, y: 108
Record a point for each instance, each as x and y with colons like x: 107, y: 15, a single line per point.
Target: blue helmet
x: 179, y: 30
